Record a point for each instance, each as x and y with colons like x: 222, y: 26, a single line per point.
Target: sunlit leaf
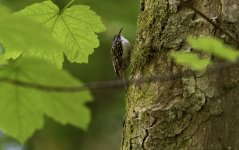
x: 22, y: 109
x: 1, y: 49
x: 214, y: 46
x: 4, y: 11
x: 21, y: 35
x: 75, y: 27
x: 191, y: 60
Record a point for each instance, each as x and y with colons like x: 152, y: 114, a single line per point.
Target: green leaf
x: 1, y: 49
x: 75, y: 27
x: 191, y: 60
x: 214, y: 46
x: 21, y: 35
x: 22, y: 109
x: 4, y: 11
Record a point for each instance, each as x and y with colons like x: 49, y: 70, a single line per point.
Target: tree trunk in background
x: 199, y: 112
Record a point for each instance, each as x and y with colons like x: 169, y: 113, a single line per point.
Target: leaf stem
x: 67, y: 5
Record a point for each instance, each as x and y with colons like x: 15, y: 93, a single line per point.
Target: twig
x: 113, y: 84
x: 211, y: 22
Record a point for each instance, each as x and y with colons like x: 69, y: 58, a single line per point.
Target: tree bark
x: 194, y: 113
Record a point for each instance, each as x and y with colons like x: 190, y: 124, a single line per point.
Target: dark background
x: 105, y: 130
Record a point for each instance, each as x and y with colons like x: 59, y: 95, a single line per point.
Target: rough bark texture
x: 200, y: 112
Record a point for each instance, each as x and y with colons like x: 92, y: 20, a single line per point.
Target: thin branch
x: 211, y: 22
x: 114, y: 84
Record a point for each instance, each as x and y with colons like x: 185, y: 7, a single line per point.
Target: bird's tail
x: 125, y: 80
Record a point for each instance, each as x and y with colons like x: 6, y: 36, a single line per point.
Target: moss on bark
x: 178, y: 114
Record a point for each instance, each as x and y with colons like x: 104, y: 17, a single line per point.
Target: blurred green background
x: 105, y: 130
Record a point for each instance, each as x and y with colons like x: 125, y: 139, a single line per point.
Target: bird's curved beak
x: 120, y: 30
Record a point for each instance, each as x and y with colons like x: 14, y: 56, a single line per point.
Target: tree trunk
x: 194, y: 113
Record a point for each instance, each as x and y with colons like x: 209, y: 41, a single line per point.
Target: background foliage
x: 208, y: 46
x: 107, y: 108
